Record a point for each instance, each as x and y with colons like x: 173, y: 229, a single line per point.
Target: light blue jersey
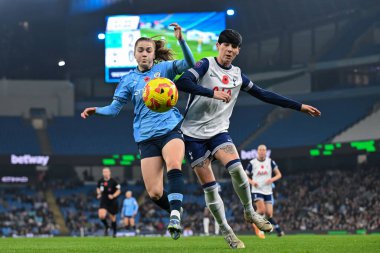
x: 147, y: 123
x: 130, y: 207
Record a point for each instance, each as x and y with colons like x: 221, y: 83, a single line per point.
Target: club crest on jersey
x: 225, y: 79
x: 146, y: 79
x: 157, y: 74
x: 234, y: 80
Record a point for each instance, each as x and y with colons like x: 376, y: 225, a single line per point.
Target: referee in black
x: 107, y: 191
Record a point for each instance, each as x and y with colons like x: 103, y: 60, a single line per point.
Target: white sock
x: 216, y: 206
x: 175, y: 213
x: 241, y: 185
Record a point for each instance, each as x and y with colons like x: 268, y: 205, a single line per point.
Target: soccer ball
x: 160, y: 94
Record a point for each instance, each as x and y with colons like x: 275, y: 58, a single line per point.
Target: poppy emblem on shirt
x: 262, y: 166
x: 146, y: 79
x: 105, y: 183
x: 225, y: 79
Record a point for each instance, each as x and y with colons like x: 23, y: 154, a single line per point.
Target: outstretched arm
x: 110, y: 110
x: 181, y: 66
x: 276, y: 99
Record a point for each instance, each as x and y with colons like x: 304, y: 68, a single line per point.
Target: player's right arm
x: 249, y: 171
x: 98, y: 192
x: 120, y: 98
x: 188, y: 82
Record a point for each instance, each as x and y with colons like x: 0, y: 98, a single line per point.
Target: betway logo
x: 30, y: 160
x: 251, y: 154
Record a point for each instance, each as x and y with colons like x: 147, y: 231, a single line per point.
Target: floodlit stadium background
x: 322, y: 52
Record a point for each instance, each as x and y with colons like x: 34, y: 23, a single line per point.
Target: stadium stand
x: 98, y: 135
x: 363, y: 130
x: 25, y: 212
x: 17, y: 136
x: 298, y: 129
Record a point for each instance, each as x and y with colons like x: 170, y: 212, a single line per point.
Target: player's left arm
x: 136, y: 207
x: 276, y: 172
x: 116, y: 193
x: 276, y: 99
x: 180, y: 66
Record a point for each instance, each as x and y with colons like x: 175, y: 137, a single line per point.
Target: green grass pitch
x: 290, y: 243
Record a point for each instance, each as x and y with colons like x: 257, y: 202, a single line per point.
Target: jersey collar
x: 226, y: 68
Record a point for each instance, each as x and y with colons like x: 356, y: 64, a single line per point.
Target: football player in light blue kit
x: 129, y: 210
x: 158, y: 135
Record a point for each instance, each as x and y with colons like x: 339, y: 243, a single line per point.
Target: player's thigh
x: 226, y: 153
x: 132, y: 221
x: 260, y: 206
x: 204, y: 172
x: 126, y: 221
x: 173, y: 153
x: 268, y: 209
x: 112, y: 217
x: 152, y: 173
x: 102, y: 213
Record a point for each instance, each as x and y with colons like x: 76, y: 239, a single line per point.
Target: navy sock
x: 176, y: 184
x: 163, y: 202
x: 114, y: 226
x: 276, y: 226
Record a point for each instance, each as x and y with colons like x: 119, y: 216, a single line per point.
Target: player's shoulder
x: 203, y: 63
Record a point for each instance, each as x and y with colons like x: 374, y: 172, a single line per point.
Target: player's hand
x: 255, y: 184
x: 177, y: 31
x: 269, y: 181
x: 221, y: 95
x: 110, y: 196
x: 98, y: 196
x: 312, y: 111
x: 88, y: 112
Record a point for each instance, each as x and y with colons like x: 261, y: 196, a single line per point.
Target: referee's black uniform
x: 107, y: 188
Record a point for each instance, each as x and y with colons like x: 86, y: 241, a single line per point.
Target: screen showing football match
x: 200, y: 30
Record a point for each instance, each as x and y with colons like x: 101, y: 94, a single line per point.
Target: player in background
x: 260, y: 171
x: 158, y: 135
x: 107, y: 191
x: 206, y: 124
x: 129, y: 211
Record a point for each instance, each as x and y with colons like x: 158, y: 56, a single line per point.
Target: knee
x: 154, y: 194
x: 173, y: 164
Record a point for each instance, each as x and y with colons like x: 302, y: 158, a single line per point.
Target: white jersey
x: 261, y: 171
x: 206, y: 117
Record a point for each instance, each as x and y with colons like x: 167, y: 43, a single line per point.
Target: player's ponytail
x: 161, y: 52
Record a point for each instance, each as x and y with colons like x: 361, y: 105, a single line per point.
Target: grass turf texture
x: 291, y: 244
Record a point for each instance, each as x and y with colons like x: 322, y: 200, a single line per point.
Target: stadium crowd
x: 308, y: 201
x: 25, y: 212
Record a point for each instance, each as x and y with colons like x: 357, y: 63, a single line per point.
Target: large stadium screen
x: 200, y: 29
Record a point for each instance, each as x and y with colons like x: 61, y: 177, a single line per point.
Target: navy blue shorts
x: 266, y: 198
x: 153, y: 146
x: 198, y: 150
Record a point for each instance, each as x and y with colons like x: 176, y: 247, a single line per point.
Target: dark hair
x: 160, y: 51
x: 230, y: 36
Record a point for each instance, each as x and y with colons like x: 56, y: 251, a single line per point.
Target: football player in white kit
x: 206, y: 123
x: 259, y: 171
